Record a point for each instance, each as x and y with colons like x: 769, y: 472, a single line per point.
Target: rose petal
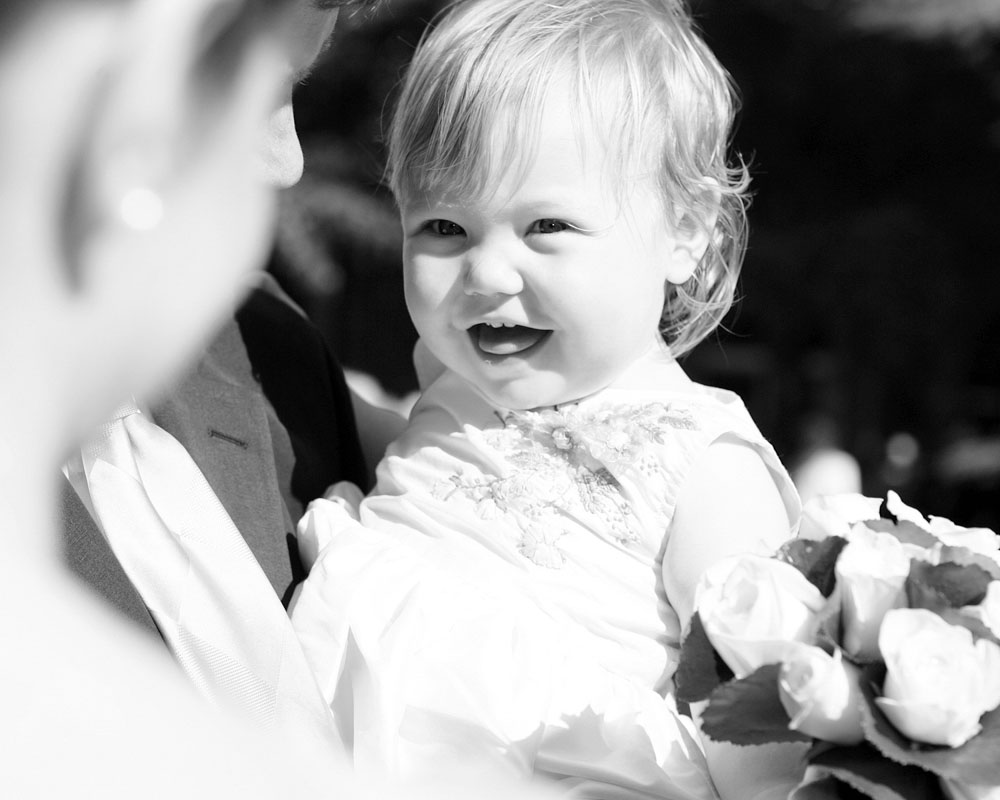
x: 821, y: 694
x: 939, y: 681
x: 753, y: 607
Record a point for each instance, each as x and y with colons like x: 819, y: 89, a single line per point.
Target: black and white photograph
x: 536, y: 399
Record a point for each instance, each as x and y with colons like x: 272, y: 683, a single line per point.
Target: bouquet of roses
x: 875, y: 636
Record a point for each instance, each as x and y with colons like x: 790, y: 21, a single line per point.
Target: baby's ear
x: 177, y: 77
x: 693, y: 231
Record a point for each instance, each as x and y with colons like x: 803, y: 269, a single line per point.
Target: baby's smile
x: 505, y: 339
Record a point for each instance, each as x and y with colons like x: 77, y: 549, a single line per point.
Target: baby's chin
x: 524, y: 395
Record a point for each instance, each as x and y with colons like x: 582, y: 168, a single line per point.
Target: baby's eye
x: 548, y: 226
x: 443, y: 227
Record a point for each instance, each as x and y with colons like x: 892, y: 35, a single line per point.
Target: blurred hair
x: 472, y: 99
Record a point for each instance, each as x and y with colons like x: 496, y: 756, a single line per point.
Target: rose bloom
x: 979, y: 540
x: 939, y: 682
x: 838, y: 515
x: 821, y: 694
x: 754, y: 609
x: 871, y: 572
x: 835, y: 515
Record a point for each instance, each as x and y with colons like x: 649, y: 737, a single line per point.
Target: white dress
x: 500, y: 594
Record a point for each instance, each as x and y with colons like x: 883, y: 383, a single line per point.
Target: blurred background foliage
x: 868, y: 320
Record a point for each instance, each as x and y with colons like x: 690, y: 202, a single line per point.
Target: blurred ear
x: 180, y: 77
x: 693, y: 232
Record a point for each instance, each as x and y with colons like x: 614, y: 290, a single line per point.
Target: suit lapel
x: 219, y: 415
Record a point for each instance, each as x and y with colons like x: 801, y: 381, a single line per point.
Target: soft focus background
x: 866, y: 338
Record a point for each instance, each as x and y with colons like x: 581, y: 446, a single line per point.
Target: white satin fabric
x: 500, y: 595
x: 209, y: 597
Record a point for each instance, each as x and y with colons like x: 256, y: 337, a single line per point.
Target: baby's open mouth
x: 505, y: 340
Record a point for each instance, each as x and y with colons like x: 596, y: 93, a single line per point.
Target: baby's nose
x: 490, y: 271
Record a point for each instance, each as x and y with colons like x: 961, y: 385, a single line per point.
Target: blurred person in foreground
x: 265, y: 449
x: 180, y: 507
x: 130, y: 218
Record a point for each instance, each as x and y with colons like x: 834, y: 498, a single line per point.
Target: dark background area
x: 868, y: 318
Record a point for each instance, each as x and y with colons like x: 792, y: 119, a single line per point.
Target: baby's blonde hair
x: 471, y: 103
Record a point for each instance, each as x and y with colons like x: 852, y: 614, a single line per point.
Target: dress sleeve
x: 719, y: 415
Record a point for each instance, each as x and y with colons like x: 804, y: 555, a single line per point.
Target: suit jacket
x: 267, y: 417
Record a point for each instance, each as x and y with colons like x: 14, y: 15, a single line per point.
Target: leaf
x: 920, y: 595
x: 824, y: 785
x: 973, y: 762
x: 815, y: 560
x: 973, y: 625
x: 828, y: 622
x: 866, y: 770
x: 965, y: 556
x: 940, y: 590
x: 748, y: 711
x: 701, y: 669
x: 961, y: 585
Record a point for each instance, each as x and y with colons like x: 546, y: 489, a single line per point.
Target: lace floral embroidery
x: 562, y: 462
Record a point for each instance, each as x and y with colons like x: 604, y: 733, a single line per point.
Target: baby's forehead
x: 503, y: 150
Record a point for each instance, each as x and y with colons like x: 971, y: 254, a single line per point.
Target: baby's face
x: 548, y: 289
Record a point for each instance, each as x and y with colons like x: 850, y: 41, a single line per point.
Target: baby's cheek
x: 415, y: 288
x: 431, y: 288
